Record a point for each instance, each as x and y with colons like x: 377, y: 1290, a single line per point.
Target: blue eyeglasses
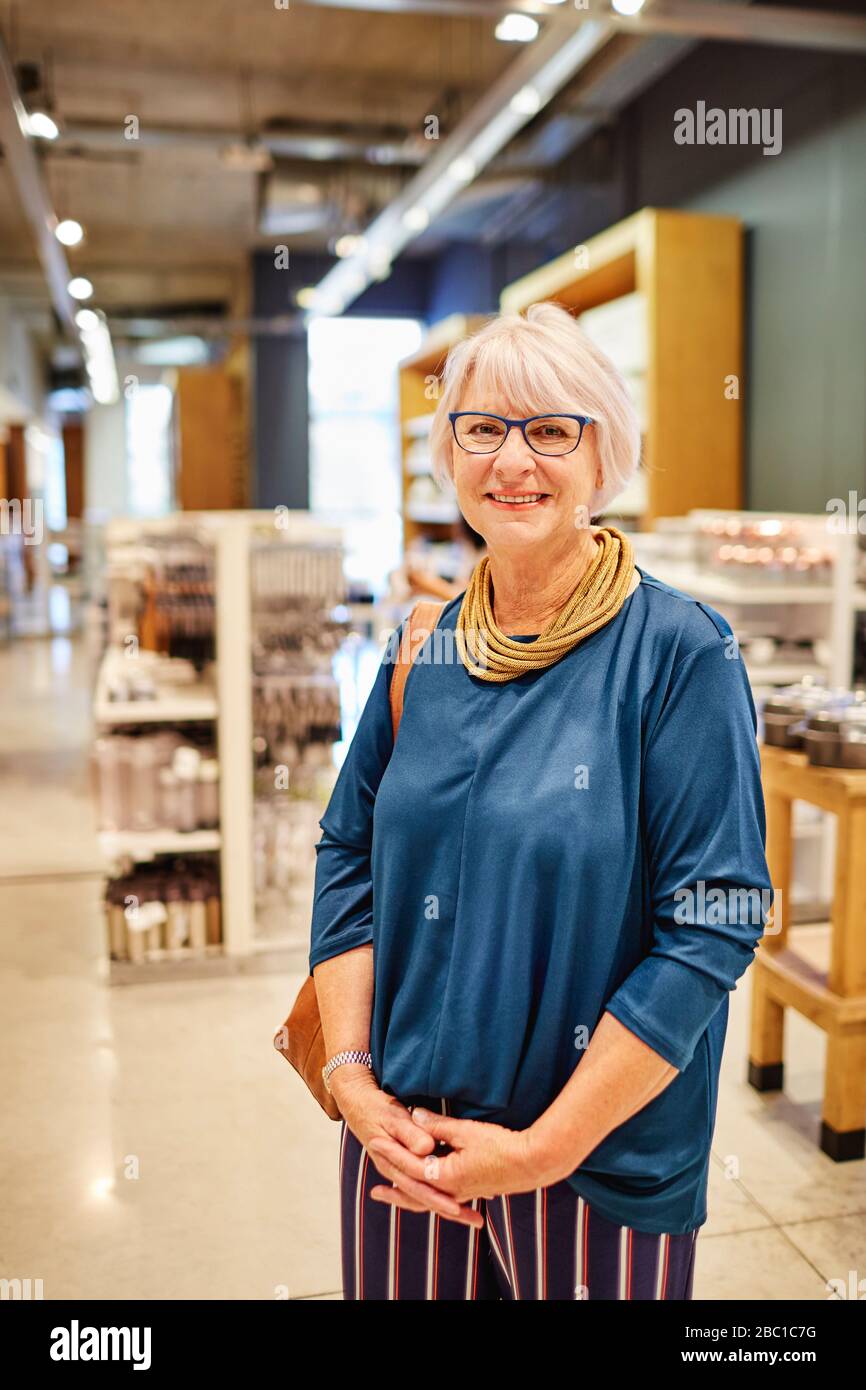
x: 553, y: 435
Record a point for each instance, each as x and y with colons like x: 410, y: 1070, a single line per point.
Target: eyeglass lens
x: 549, y: 434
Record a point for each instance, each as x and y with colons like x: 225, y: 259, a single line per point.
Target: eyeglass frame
x: 583, y: 421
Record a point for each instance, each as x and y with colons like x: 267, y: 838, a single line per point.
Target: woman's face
x: 559, y: 489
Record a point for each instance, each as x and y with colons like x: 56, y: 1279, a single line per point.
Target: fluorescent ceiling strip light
x: 544, y: 67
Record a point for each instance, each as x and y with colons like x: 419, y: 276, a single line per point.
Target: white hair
x: 542, y: 361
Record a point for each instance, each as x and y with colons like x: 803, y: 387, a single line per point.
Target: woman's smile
x: 511, y: 501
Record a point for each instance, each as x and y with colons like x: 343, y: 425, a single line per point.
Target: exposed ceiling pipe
x: 88, y: 329
x: 25, y: 171
x: 142, y: 329
x: 373, y: 146
x: 526, y: 86
x: 782, y: 26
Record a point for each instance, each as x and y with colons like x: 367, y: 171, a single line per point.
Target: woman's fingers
x: 440, y: 1170
x: 442, y: 1127
x: 398, y: 1123
x: 392, y: 1196
x: 430, y: 1197
x: 423, y: 1168
x: 396, y: 1198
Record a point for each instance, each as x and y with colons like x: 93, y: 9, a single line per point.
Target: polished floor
x: 155, y: 1146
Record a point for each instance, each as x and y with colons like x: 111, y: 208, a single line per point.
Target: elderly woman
x: 531, y: 908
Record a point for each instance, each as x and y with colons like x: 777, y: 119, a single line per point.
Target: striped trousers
x: 547, y: 1244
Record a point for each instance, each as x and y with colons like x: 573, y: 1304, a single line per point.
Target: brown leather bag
x: 300, y: 1039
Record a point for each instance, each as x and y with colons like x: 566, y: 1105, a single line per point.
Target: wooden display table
x: 835, y: 1000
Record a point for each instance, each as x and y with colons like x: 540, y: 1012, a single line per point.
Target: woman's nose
x: 515, y: 452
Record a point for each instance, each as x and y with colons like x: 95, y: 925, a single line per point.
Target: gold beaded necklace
x: 485, y: 650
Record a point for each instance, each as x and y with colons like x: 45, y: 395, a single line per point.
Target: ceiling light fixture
x: 516, y: 28
x: 40, y: 125
x: 526, y: 102
x: 462, y: 169
x: 627, y: 7
x: 348, y: 244
x: 80, y: 287
x: 416, y: 219
x: 98, y: 356
x: 527, y: 85
x: 69, y: 232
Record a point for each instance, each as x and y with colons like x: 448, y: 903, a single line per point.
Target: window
x: 148, y: 450
x: 355, y: 471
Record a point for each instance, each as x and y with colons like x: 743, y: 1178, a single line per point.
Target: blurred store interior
x: 236, y: 243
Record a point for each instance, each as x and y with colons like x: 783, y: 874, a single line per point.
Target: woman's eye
x: 548, y: 431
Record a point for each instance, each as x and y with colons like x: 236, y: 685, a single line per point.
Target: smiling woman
x: 533, y: 1108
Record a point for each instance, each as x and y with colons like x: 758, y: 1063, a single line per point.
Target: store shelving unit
x: 826, y: 611
x: 831, y: 607
x: 226, y: 697
x: 419, y: 376
x: 679, y: 276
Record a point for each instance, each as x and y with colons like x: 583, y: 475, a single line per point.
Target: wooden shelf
x: 689, y: 266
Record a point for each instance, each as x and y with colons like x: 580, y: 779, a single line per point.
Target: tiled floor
x: 155, y: 1146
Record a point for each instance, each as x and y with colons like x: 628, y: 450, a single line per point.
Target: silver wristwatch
x: 340, y: 1059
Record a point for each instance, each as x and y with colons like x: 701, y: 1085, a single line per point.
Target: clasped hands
x: 436, y: 1162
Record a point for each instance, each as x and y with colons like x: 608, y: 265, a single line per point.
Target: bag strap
x: 419, y: 625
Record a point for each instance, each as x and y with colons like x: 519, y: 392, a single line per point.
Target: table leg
x: 843, y: 1123
x: 779, y: 851
x: 767, y: 1038
x: 847, y: 975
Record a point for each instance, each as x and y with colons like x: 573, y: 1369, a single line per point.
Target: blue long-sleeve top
x: 584, y: 838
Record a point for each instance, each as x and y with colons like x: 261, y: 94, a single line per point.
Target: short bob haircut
x: 542, y: 361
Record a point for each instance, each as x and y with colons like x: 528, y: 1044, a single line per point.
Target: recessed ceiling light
x: 627, y: 6
x: 69, y: 232
x: 87, y: 320
x: 526, y: 102
x: 348, y: 244
x: 463, y: 168
x: 517, y: 28
x: 80, y: 287
x: 416, y: 219
x: 40, y: 124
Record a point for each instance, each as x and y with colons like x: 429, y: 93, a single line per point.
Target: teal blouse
x: 585, y: 838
